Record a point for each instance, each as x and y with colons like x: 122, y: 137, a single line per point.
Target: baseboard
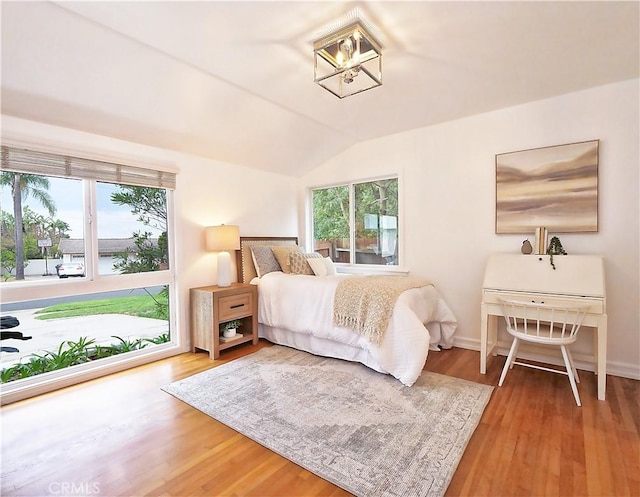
x: 624, y: 370
x: 467, y: 343
x: 614, y: 368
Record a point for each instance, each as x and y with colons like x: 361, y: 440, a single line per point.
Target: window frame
x: 353, y: 267
x: 94, y: 283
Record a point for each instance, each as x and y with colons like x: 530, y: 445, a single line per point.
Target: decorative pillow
x: 282, y: 256
x: 299, y: 264
x: 263, y: 260
x: 322, y: 266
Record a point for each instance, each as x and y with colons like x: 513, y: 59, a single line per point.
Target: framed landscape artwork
x: 555, y: 187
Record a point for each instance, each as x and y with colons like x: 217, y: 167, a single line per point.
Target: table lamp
x: 221, y: 239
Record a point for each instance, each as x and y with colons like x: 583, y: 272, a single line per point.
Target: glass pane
x: 331, y: 223
x: 132, y: 229
x: 376, y: 218
x: 73, y: 330
x: 49, y: 228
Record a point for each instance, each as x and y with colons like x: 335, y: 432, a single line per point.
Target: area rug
x: 359, y: 429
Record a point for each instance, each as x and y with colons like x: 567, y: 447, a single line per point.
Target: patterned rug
x: 361, y: 430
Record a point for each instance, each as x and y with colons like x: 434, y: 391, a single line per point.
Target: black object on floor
x: 8, y: 322
x: 16, y: 335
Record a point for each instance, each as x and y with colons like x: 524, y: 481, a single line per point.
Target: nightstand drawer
x: 235, y: 306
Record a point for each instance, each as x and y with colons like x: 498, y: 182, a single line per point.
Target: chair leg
x: 509, y: 362
x: 515, y: 354
x: 573, y: 366
x: 572, y: 380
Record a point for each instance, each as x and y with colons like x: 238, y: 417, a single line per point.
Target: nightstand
x: 212, y: 305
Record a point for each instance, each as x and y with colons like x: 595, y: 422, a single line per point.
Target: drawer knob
x: 236, y: 306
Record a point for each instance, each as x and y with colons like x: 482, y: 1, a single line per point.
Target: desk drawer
x: 235, y: 306
x: 596, y: 306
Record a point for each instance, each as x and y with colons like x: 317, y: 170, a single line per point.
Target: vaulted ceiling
x: 233, y: 81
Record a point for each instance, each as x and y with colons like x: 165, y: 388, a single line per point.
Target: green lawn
x: 143, y: 306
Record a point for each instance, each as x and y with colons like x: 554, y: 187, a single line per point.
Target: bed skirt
x: 319, y: 346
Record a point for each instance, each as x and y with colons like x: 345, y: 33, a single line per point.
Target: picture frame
x: 554, y: 187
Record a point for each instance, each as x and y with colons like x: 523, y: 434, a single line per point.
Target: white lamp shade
x: 224, y: 237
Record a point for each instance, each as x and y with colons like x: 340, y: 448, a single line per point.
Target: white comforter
x: 304, y: 305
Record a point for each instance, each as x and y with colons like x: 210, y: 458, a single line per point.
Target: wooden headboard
x: 244, y: 261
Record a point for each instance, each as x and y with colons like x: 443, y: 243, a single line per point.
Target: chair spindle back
x: 544, y: 321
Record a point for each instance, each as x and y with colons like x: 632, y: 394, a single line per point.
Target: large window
x: 357, y: 223
x: 86, y: 267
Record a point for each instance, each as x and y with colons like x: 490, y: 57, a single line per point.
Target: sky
x: 113, y: 221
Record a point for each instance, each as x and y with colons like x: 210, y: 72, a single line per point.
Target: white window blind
x: 50, y: 164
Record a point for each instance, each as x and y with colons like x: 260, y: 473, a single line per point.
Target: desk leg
x: 483, y: 338
x: 601, y: 359
x: 493, y: 335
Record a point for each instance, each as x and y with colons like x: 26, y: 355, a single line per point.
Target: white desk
x: 578, y: 278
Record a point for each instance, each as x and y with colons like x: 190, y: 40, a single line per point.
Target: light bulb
x: 347, y: 46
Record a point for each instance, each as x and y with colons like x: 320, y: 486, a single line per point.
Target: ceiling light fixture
x: 348, y: 56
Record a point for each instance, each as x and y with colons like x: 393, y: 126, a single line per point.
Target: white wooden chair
x: 544, y: 324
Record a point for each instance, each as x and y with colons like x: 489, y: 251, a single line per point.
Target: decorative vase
x: 526, y: 247
x: 231, y: 332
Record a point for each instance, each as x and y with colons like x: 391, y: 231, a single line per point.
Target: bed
x: 297, y: 310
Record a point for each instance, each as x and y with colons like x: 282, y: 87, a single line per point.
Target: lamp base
x: 224, y: 269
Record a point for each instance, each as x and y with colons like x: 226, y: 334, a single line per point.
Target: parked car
x: 70, y: 269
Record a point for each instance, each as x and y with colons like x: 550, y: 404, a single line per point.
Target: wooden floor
x: 122, y: 435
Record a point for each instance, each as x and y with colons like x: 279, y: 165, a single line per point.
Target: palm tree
x: 25, y: 185
x: 59, y: 230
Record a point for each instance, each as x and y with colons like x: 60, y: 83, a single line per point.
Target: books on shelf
x: 231, y: 339
x: 542, y: 241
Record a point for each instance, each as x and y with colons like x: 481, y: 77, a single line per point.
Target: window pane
x: 95, y: 321
x: 72, y: 330
x: 331, y: 222
x: 52, y: 219
x: 132, y: 229
x: 376, y: 222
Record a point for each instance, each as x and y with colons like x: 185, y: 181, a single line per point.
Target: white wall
x: 447, y: 175
x: 208, y: 192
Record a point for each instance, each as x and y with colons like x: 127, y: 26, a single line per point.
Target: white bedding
x: 297, y: 310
